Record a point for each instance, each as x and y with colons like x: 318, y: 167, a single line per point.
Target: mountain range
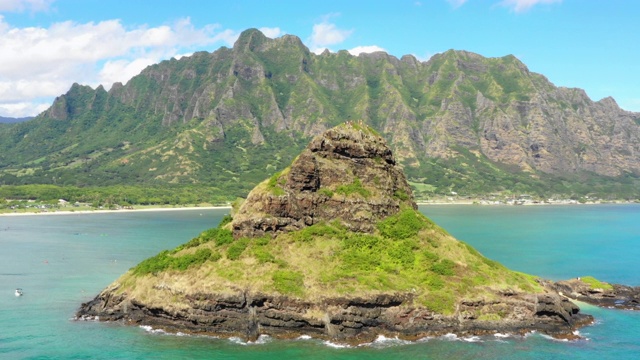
x: 9, y: 120
x: 459, y: 122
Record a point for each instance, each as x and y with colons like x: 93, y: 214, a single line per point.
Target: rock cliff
x: 347, y: 174
x: 333, y: 247
x: 351, y: 320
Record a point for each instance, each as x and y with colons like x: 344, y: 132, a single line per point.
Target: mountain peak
x: 347, y: 174
x: 250, y: 39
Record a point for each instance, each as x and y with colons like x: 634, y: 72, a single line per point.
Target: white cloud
x: 523, y: 5
x: 180, y: 56
x: 40, y: 62
x: 326, y: 34
x: 24, y: 5
x: 365, y: 49
x: 19, y: 109
x: 456, y: 3
x: 319, y: 50
x: 122, y: 70
x: 426, y: 57
x: 226, y: 36
x: 271, y: 32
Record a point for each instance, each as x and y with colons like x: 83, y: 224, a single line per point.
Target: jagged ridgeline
x: 230, y: 118
x: 332, y: 247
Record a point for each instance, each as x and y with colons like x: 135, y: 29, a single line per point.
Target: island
x: 334, y: 247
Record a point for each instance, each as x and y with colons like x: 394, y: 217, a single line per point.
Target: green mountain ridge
x: 10, y: 120
x: 458, y: 122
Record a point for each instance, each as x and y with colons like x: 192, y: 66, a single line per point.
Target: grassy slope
x: 408, y: 253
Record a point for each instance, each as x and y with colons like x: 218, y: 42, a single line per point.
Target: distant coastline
x: 191, y: 207
x: 489, y: 203
x: 104, y: 211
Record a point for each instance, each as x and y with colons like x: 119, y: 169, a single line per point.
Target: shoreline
x: 104, y: 211
x: 182, y: 208
x: 480, y: 203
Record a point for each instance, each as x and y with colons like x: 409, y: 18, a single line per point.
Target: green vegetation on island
x: 595, y: 283
x: 407, y: 253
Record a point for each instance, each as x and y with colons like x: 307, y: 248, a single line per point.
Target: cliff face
x: 333, y: 247
x: 346, y: 174
x: 460, y: 118
x: 349, y: 320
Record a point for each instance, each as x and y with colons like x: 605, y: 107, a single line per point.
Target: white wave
x: 87, y: 318
x: 336, y: 346
x: 548, y: 337
x: 237, y: 340
x: 382, y: 342
x: 304, y: 337
x: 450, y: 337
x: 424, y: 339
x: 149, y: 329
x: 501, y: 335
x: 262, y: 339
x: 472, y: 339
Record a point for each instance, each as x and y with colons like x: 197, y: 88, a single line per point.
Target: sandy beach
x: 70, y: 212
x: 420, y: 203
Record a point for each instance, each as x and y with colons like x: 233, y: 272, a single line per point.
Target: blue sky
x: 47, y: 45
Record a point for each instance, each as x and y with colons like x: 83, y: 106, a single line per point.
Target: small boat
x: 18, y: 292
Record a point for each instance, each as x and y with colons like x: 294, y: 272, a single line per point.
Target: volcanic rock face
x: 352, y: 320
x: 346, y: 174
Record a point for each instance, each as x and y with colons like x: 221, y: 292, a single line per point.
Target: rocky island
x: 333, y: 247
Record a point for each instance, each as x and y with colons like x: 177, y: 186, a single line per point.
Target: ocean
x: 61, y: 261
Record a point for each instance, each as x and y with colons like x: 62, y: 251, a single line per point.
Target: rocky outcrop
x: 346, y: 174
x: 348, y: 320
x: 612, y: 296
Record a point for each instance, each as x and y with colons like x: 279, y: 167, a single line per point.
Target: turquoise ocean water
x: 61, y: 261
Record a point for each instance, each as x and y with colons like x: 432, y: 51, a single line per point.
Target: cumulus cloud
x: 365, y: 49
x: 40, y: 62
x: 271, y: 32
x: 326, y: 34
x: 121, y: 70
x: 523, y: 5
x: 24, y: 5
x: 19, y: 109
